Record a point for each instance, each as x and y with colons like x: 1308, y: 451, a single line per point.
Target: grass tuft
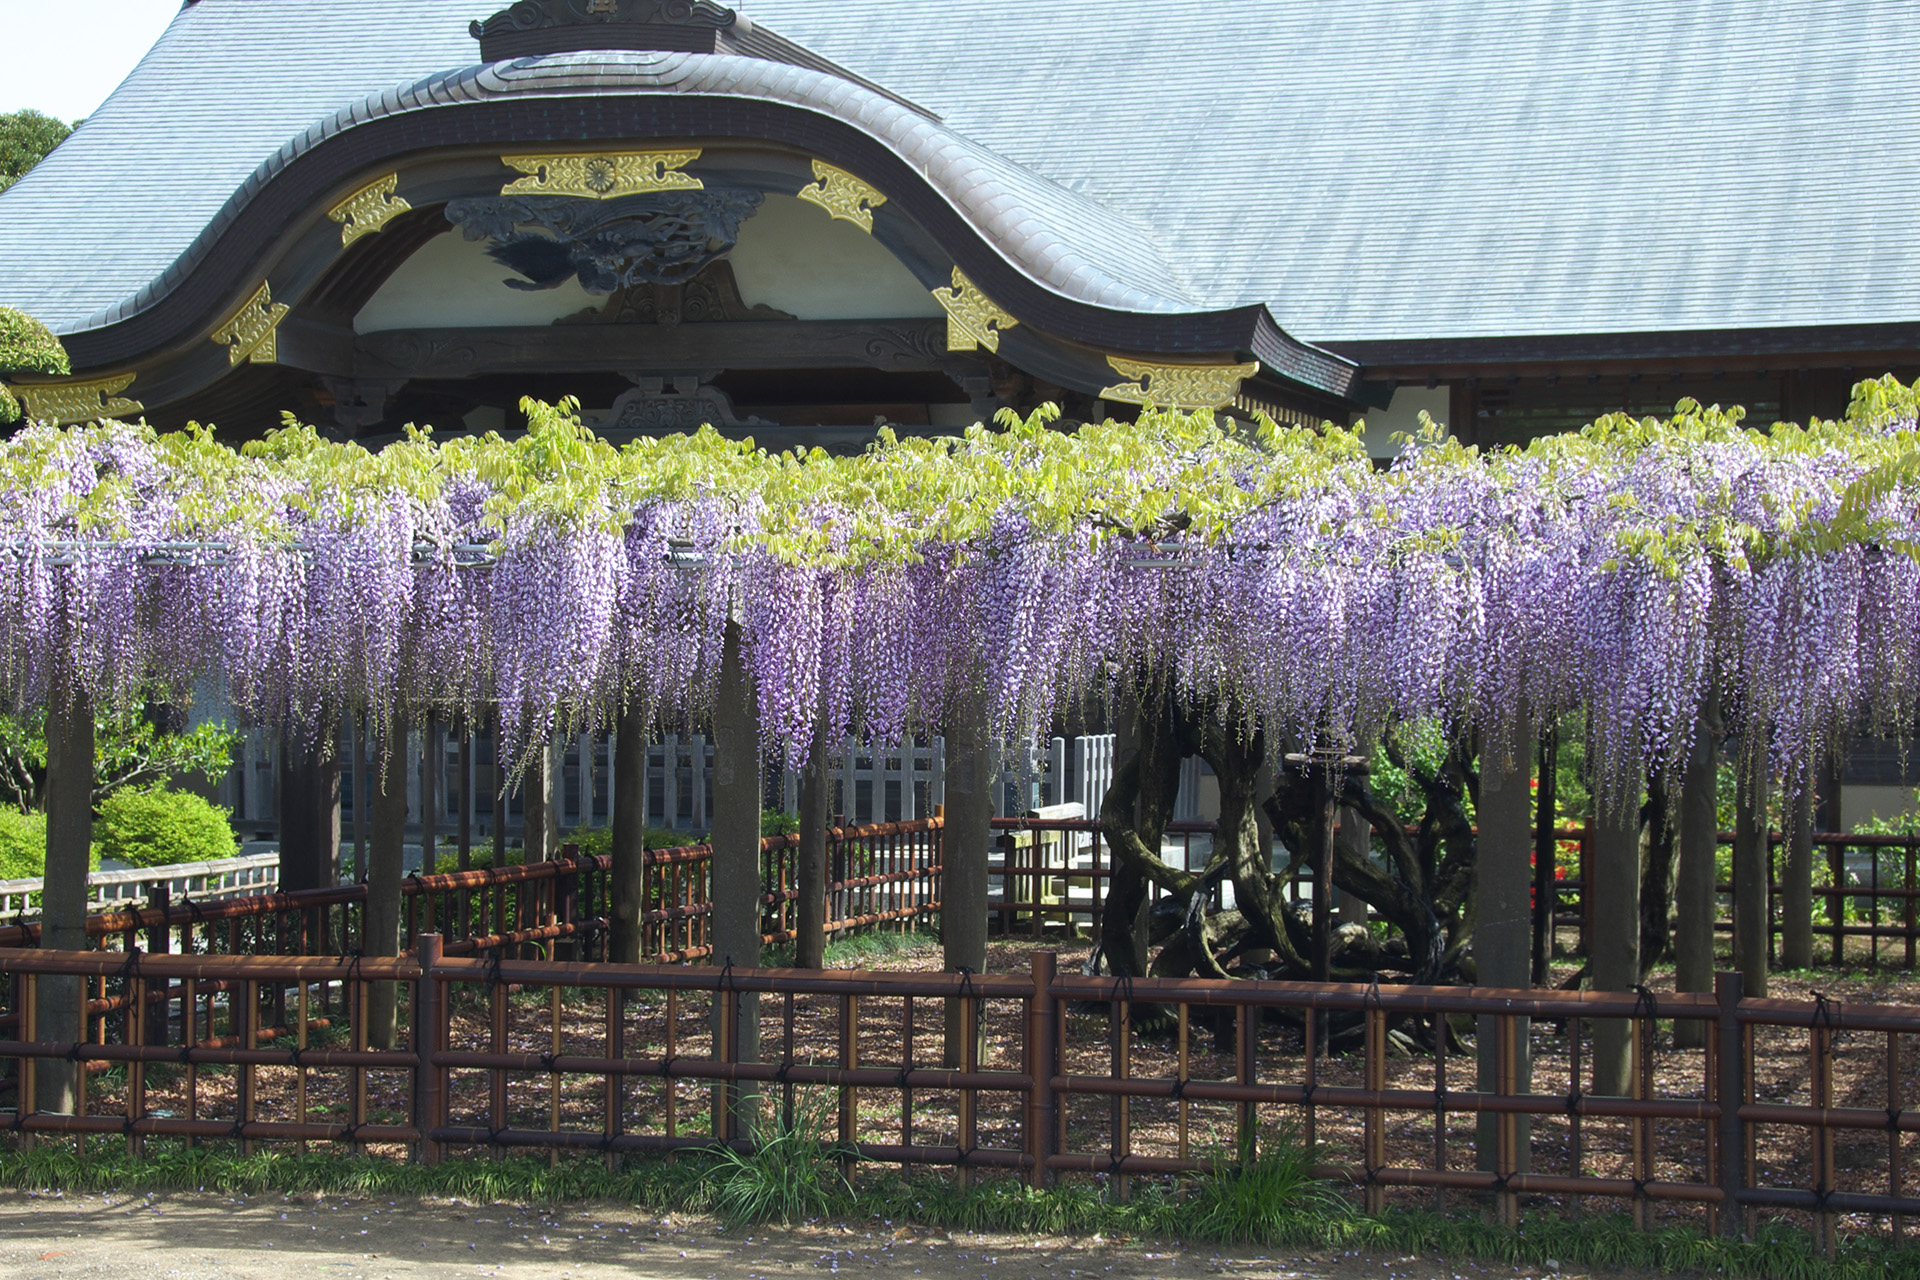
x: 794, y: 1177
x: 791, y: 1174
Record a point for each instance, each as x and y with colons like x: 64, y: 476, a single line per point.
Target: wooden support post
x: 385, y: 854
x: 1796, y: 886
x: 810, y: 880
x: 1546, y: 856
x: 1695, y: 891
x: 1615, y: 949
x: 629, y: 832
x: 63, y: 901
x: 735, y: 886
x: 1752, y: 877
x: 969, y: 834
x: 1503, y: 935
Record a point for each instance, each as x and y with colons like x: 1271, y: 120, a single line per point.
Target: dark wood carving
x: 534, y: 27
x: 665, y: 237
x: 711, y: 297
x: 897, y: 346
x: 652, y: 409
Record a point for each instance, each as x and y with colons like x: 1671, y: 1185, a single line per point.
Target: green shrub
x: 23, y: 844
x: 775, y: 823
x: 598, y: 842
x: 26, y: 346
x: 156, y: 827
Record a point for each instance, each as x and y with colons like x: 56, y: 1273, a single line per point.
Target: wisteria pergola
x: 1652, y: 576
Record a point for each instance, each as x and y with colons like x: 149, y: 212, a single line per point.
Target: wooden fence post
x: 1043, y: 1052
x: 428, y: 1022
x: 1730, y: 1089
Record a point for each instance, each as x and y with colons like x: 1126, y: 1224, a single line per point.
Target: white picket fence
x: 896, y: 785
x: 200, y: 881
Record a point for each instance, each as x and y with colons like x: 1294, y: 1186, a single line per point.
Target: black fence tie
x: 1893, y: 1119
x: 1370, y: 998
x: 726, y: 976
x: 786, y: 1068
x: 970, y: 992
x: 73, y: 1051
x: 131, y: 969
x: 666, y: 1067
x: 547, y: 1061
x: 1179, y: 1090
x: 1123, y: 994
x: 1574, y: 1100
x: 1440, y: 1100
x: 1822, y: 1012
x: 126, y: 1127
x: 237, y: 1131
x: 1640, y: 1186
x: 493, y: 971
x: 1502, y: 1182
x: 1645, y: 999
x: 295, y: 1054
x: 1306, y: 1094
x: 900, y: 1081
x: 186, y: 1055
x: 1822, y: 1199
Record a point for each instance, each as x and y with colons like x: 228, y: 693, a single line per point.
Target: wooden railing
x: 1795, y: 1106
x: 884, y: 875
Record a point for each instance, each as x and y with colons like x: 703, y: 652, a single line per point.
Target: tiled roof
x: 1369, y: 169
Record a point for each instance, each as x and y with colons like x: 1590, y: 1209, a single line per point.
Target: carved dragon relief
x: 656, y: 238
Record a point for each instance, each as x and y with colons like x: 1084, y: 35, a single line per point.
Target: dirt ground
x: 199, y: 1237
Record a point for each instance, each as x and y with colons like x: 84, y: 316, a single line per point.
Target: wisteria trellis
x: 1277, y: 576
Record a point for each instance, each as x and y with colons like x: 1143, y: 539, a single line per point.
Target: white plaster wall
x: 452, y: 283
x: 795, y: 256
x: 1861, y: 803
x: 1403, y: 415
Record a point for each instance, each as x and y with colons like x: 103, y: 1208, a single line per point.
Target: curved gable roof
x: 1367, y: 169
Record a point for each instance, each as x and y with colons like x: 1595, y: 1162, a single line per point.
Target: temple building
x: 801, y: 220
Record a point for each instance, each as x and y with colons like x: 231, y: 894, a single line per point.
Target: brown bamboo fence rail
x: 1054, y: 1075
x: 885, y: 875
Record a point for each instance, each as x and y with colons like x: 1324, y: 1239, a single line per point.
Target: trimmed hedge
x: 23, y: 844
x: 156, y: 827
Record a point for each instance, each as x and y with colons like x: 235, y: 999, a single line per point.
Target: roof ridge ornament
x: 530, y: 28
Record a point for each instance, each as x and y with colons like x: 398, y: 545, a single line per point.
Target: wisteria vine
x: 1276, y: 576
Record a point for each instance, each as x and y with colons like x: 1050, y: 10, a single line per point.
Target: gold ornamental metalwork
x: 602, y: 177
x: 973, y: 321
x: 843, y: 195
x: 1178, y: 386
x: 368, y: 209
x: 253, y: 334
x: 62, y: 403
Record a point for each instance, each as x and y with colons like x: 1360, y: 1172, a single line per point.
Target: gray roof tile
x: 1370, y: 169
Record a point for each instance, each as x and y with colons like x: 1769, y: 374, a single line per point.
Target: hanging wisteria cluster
x: 1275, y: 577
